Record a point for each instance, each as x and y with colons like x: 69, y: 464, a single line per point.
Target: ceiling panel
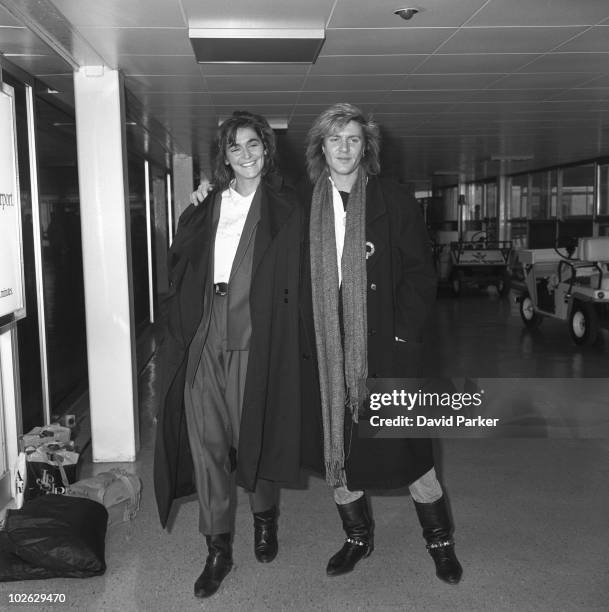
x: 121, y: 14
x: 158, y: 64
x: 585, y: 93
x: 541, y: 13
x: 259, y: 14
x: 167, y: 82
x: 351, y: 82
x: 564, y: 80
x: 21, y: 41
x: 256, y: 97
x: 6, y: 19
x: 570, y: 62
x: 114, y: 42
x: 255, y: 83
x: 418, y: 95
x: 602, y: 81
x: 509, y: 40
x: 413, y: 107
x: 310, y: 111
x: 269, y: 111
x: 41, y: 65
x: 366, y: 64
x: 369, y: 96
x: 458, y: 82
x: 448, y: 82
x: 175, y: 100
x: 592, y: 40
x: 513, y: 95
x: 379, y: 14
x: 384, y: 42
x: 475, y: 63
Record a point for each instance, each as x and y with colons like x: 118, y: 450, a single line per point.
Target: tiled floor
x: 531, y: 515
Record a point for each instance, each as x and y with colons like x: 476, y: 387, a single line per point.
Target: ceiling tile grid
x: 470, y: 71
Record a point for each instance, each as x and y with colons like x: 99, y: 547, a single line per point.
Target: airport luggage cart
x: 569, y: 288
x: 480, y: 263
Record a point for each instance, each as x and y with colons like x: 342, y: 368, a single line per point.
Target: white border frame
x: 20, y: 312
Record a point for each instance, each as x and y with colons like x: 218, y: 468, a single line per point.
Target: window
x: 519, y: 195
x: 577, y: 196
x: 64, y: 301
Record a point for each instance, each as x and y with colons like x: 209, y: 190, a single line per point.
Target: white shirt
x: 340, y: 222
x: 233, y: 212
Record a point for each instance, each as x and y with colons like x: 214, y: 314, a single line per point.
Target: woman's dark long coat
x: 400, y: 294
x: 269, y: 436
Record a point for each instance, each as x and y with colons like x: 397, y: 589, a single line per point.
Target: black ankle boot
x: 265, y: 535
x: 358, y: 545
x: 219, y: 562
x: 437, y: 533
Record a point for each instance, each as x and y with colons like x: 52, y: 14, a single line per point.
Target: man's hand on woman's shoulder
x: 196, y: 197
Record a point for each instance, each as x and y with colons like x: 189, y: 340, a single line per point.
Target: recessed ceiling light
x: 407, y: 13
x: 258, y: 46
x: 511, y: 157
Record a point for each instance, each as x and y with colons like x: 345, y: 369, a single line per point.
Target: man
x: 232, y: 320
x: 373, y: 284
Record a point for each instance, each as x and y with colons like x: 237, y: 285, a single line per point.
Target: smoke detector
x: 407, y: 13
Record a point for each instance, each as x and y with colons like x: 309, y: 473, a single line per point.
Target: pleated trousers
x: 213, y: 401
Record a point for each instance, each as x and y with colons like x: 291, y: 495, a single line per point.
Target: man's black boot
x: 437, y: 532
x: 358, y: 527
x: 265, y: 535
x: 219, y: 562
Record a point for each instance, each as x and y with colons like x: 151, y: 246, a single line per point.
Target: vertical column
x: 160, y: 233
x: 182, y: 184
x: 461, y: 207
x: 106, y: 246
x: 503, y: 203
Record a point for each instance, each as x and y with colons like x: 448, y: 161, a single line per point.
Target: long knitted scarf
x: 342, y: 369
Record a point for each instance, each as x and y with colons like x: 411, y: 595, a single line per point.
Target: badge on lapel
x: 369, y: 249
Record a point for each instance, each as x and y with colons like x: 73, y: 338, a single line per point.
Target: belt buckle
x: 221, y: 288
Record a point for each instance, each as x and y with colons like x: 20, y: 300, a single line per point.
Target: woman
x: 229, y: 389
x: 373, y: 284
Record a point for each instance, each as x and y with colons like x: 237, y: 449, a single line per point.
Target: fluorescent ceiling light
x: 256, y: 46
x: 275, y: 123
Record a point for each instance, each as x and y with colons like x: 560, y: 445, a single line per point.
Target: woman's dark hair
x: 336, y: 117
x: 227, y: 132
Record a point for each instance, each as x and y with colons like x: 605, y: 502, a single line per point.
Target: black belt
x: 221, y: 288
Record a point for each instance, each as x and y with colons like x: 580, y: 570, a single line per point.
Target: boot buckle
x: 356, y: 542
x: 441, y: 544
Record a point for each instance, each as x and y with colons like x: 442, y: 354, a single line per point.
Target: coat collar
x: 276, y: 206
x: 201, y: 229
x: 375, y: 202
x: 376, y: 235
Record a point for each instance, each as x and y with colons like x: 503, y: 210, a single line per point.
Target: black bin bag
x: 54, y: 536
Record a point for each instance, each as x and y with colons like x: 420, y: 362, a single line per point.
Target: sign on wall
x: 12, y: 298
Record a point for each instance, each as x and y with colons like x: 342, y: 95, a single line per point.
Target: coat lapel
x: 376, y: 235
x: 251, y: 221
x: 198, y: 247
x: 274, y: 212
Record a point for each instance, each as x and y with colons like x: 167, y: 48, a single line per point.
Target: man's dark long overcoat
x: 269, y: 437
x: 400, y: 296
